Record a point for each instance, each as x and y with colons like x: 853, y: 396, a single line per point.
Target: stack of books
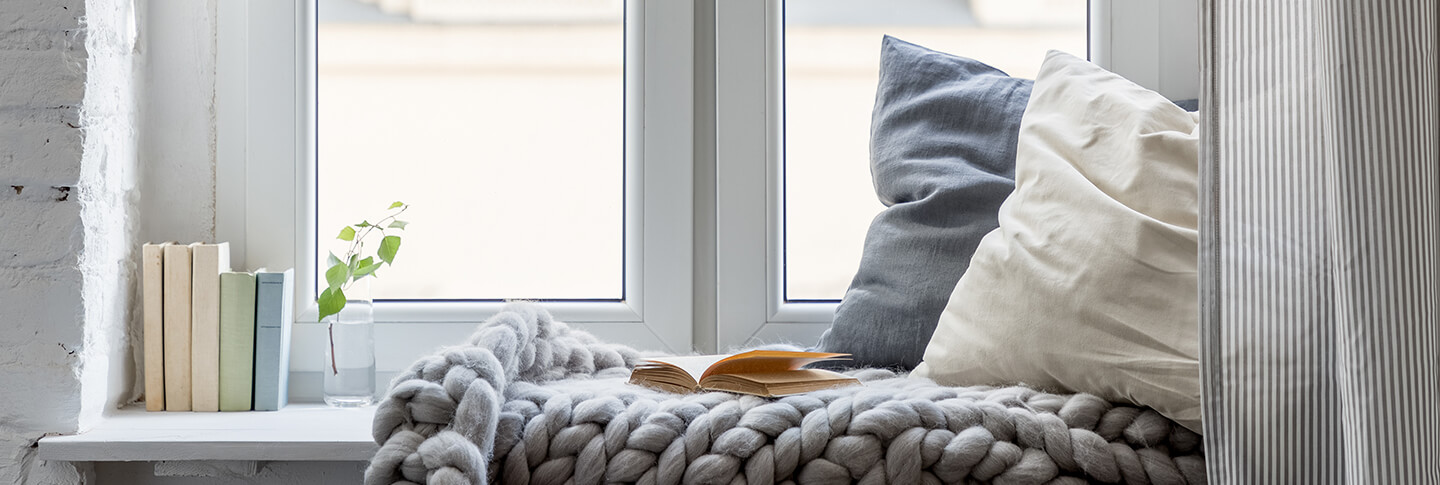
x: 214, y: 339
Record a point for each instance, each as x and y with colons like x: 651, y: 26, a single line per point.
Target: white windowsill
x: 299, y: 432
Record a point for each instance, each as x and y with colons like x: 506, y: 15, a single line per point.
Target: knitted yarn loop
x: 530, y: 400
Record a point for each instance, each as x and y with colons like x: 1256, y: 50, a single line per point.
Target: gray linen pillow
x: 942, y: 154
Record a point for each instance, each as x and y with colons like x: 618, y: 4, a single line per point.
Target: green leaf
x: 333, y: 260
x: 331, y: 301
x: 396, y: 204
x: 346, y: 234
x: 363, y: 224
x: 398, y: 224
x: 367, y: 270
x: 388, y: 247
x: 336, y: 275
x: 360, y: 271
x: 354, y: 263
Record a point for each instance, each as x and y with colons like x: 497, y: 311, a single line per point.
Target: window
x: 267, y: 179
x: 502, y: 127
x: 706, y: 194
x: 758, y: 151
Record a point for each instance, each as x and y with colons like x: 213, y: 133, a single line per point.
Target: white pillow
x: 1089, y: 284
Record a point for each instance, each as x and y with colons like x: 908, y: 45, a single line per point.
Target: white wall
x: 177, y: 149
x: 177, y: 137
x: 67, y: 223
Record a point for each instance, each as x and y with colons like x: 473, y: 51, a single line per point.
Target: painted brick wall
x: 67, y: 170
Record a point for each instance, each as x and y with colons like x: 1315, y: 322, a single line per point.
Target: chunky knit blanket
x: 530, y: 400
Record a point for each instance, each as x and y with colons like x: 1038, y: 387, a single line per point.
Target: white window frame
x: 1126, y: 36
x: 1153, y: 43
x: 720, y: 290
x: 265, y: 178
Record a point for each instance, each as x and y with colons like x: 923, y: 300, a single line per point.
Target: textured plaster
x: 109, y: 202
x: 177, y: 139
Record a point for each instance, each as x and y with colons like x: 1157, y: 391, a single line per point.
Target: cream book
x: 177, y: 327
x: 152, y: 267
x: 207, y: 262
x: 766, y: 373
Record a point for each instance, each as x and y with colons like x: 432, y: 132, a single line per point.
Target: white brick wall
x: 67, y: 163
x: 40, y: 228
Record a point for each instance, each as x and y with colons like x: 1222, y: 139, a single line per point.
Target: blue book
x: 273, y: 318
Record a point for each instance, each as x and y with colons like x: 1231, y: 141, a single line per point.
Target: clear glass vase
x: 349, y: 366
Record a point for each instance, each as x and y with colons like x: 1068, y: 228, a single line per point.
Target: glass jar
x: 349, y: 366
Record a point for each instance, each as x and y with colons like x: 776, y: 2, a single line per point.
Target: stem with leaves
x: 344, y: 272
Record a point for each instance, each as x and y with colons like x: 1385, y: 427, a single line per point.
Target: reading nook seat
x: 530, y: 400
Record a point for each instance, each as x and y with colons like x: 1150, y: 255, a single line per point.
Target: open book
x: 759, y: 372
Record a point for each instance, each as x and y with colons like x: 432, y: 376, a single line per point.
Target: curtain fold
x: 1320, y: 241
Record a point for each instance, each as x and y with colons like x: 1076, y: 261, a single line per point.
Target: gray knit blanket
x: 530, y: 400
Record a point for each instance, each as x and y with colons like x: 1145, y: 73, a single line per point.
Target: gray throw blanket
x: 530, y: 400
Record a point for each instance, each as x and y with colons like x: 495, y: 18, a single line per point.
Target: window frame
x: 703, y: 220
x: 1153, y: 43
x: 265, y: 181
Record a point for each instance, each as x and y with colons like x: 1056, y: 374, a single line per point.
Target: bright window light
x: 832, y: 54
x: 502, y: 125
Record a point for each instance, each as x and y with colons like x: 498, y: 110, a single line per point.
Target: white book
x: 208, y: 260
x: 177, y: 327
x: 152, y: 278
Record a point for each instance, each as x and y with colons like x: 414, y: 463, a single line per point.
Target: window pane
x: 502, y: 125
x: 832, y: 54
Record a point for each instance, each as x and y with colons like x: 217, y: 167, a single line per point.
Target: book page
x: 694, y: 365
x: 767, y: 361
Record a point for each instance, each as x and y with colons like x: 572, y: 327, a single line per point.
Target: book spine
x: 237, y: 341
x: 208, y: 261
x: 273, y: 319
x: 152, y: 267
x: 177, y: 327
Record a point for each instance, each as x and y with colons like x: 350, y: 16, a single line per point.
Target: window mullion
x: 667, y: 171
x: 748, y: 174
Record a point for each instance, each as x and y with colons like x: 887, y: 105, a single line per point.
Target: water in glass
x: 350, y: 356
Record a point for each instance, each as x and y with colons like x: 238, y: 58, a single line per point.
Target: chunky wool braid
x: 567, y: 416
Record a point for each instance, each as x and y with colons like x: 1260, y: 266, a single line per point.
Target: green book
x: 237, y: 340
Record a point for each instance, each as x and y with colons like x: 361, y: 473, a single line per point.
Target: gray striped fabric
x: 1320, y: 251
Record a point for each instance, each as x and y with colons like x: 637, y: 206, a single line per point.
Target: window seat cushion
x: 529, y: 400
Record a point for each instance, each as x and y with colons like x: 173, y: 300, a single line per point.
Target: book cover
x: 152, y: 291
x: 237, y: 340
x: 273, y: 319
x: 177, y: 327
x: 766, y: 373
x: 207, y: 262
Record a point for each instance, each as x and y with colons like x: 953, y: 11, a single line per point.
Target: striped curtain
x: 1320, y: 253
